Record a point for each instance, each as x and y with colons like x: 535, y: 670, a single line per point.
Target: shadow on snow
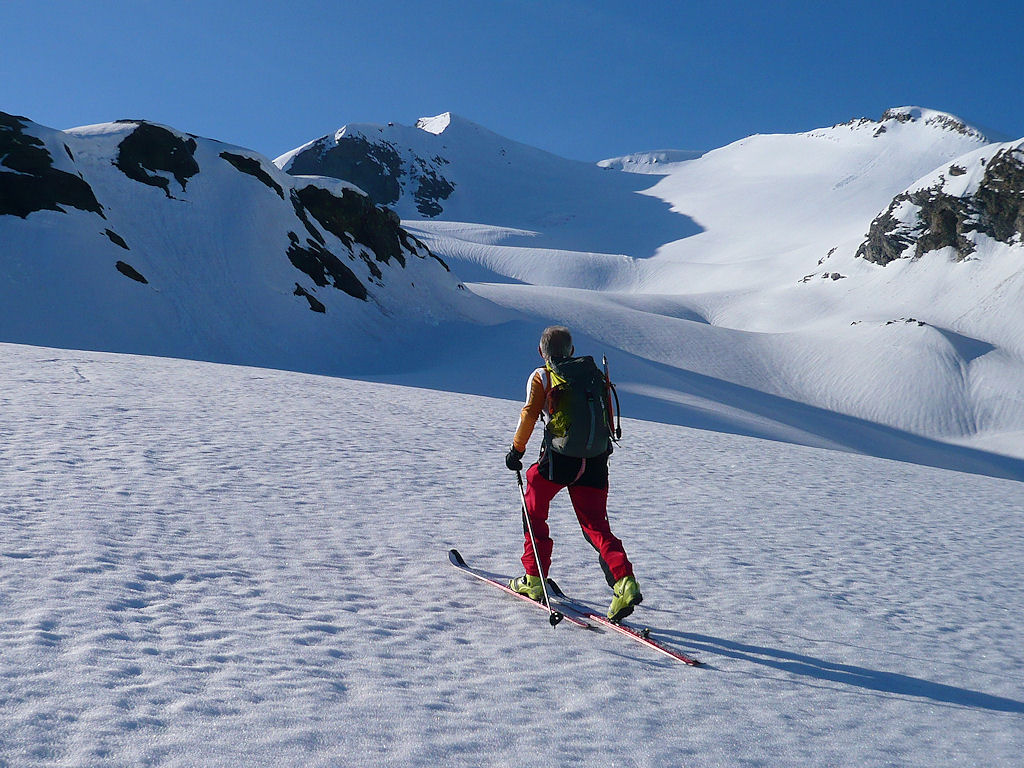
x: 847, y: 674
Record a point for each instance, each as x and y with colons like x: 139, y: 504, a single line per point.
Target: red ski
x: 457, y: 560
x: 642, y: 636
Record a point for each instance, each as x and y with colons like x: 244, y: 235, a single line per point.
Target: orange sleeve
x: 535, y: 396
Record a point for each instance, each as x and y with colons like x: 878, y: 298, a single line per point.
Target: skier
x: 585, y: 476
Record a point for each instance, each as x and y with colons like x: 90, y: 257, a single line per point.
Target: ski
x: 459, y: 562
x: 642, y: 636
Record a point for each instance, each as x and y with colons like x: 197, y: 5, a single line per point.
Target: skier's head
x: 555, y: 343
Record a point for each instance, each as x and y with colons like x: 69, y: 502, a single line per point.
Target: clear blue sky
x: 586, y: 80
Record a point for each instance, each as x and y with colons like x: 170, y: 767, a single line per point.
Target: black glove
x: 513, y: 459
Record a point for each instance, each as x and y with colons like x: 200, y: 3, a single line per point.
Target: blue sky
x: 586, y: 80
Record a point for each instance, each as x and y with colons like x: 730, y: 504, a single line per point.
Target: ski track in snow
x: 213, y: 565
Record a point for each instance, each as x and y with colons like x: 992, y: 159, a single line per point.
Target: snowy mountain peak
x: 450, y: 124
x: 417, y: 169
x: 897, y: 117
x: 942, y: 120
x: 436, y: 125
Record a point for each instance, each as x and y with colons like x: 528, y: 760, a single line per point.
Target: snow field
x: 766, y: 293
x: 724, y: 288
x: 215, y: 565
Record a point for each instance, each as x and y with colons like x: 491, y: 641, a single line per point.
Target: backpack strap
x: 545, y: 380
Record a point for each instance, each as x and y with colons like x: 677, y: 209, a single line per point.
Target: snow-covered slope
x: 769, y: 296
x: 655, y: 162
x: 451, y: 169
x: 726, y: 288
x: 214, y: 565
x: 137, y: 237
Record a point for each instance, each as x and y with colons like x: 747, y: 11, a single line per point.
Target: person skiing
x: 569, y: 461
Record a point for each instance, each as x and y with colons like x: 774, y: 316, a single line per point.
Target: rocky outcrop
x: 150, y: 149
x: 903, y: 115
x: 948, y: 208
x: 321, y: 229
x: 129, y: 271
x: 323, y: 267
x: 29, y: 182
x: 254, y: 168
x: 373, y: 167
x: 377, y: 167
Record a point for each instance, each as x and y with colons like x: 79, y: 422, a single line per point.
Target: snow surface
x: 650, y: 162
x: 766, y: 309
x: 725, y: 292
x: 212, y: 565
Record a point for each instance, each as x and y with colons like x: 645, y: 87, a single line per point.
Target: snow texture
x: 213, y: 565
x: 207, y: 564
x: 765, y: 318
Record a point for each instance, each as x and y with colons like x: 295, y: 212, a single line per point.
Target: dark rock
x: 314, y: 303
x: 323, y: 267
x: 885, y: 241
x: 300, y: 211
x: 32, y: 183
x: 956, y: 170
x: 152, y: 148
x: 129, y: 271
x: 1000, y: 197
x: 430, y: 189
x: 378, y: 169
x: 373, y: 167
x: 353, y: 213
x: 417, y: 246
x: 898, y: 116
x: 995, y: 208
x: 116, y: 239
x: 252, y: 167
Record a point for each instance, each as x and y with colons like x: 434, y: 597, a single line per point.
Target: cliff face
x: 981, y: 193
x: 381, y: 168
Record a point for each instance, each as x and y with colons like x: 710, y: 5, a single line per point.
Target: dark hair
x: 556, y: 342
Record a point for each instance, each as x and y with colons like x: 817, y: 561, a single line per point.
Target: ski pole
x: 553, y: 616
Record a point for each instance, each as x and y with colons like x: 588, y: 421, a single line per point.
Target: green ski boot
x: 627, y: 595
x: 529, y: 586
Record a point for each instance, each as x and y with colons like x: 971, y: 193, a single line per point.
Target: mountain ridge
x: 727, y: 288
x: 225, y: 255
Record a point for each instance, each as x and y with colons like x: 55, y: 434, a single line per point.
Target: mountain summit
x: 449, y: 168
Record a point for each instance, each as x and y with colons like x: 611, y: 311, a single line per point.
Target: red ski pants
x: 591, y: 505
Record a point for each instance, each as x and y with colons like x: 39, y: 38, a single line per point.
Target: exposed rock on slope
x: 151, y: 148
x: 378, y: 166
x: 29, y: 178
x: 228, y: 253
x: 928, y: 117
x: 981, y: 193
